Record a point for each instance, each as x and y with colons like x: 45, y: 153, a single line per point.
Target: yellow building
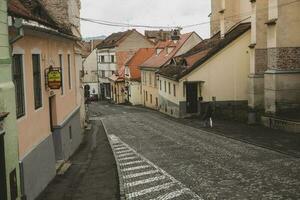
x: 216, y: 70
x: 164, y: 52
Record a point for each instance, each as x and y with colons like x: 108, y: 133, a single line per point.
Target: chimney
x: 175, y: 35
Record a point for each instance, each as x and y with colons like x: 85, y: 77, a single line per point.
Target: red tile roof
x: 156, y: 61
x: 194, y: 58
x: 139, y: 58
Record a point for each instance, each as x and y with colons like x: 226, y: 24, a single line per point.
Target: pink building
x: 48, y: 120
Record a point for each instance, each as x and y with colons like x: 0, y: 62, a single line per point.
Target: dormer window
x: 170, y: 49
x: 158, y: 50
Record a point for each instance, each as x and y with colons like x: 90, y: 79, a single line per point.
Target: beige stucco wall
x: 150, y: 89
x: 234, y: 11
x: 169, y: 95
x: 35, y: 125
x: 134, y: 42
x: 288, y: 16
x: 90, y: 68
x: 225, y: 75
x: 118, y: 92
x: 192, y: 41
x: 135, y: 91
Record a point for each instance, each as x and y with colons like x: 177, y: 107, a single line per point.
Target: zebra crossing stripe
x: 150, y: 190
x: 131, y: 163
x: 124, y: 151
x: 171, y: 195
x: 136, y: 168
x: 120, y: 148
x: 128, y: 158
x: 140, y: 174
x: 144, y: 181
x: 125, y: 154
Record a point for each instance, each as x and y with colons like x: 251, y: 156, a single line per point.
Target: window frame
x: 69, y: 71
x: 37, y: 82
x: 61, y: 65
x: 174, y: 90
x: 22, y: 96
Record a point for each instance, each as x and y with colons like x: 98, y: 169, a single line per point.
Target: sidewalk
x: 92, y: 175
x: 283, y: 142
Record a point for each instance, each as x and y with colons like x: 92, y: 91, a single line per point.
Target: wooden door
x: 191, y: 97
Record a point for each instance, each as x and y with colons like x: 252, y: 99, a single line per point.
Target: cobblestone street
x: 210, y: 165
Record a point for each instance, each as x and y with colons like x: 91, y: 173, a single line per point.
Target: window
x: 69, y: 71
x: 146, y: 96
x: 155, y: 82
x: 102, y: 73
x: 112, y: 58
x: 169, y: 87
x: 150, y: 79
x: 160, y: 84
x: 37, y: 86
x: 151, y: 98
x: 70, y: 133
x: 165, y: 86
x: 174, y: 90
x: 62, y: 73
x: 102, y: 59
x: 156, y: 101
x: 18, y: 79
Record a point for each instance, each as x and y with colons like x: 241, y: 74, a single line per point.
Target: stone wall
x: 261, y: 60
x: 64, y: 11
x: 284, y: 58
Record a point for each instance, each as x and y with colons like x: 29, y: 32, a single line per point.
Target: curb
x: 121, y: 183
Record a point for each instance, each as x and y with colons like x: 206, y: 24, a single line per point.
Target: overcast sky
x: 146, y: 12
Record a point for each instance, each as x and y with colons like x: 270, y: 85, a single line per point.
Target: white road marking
x: 124, y: 151
x: 139, y: 158
x: 128, y: 158
x: 125, y: 154
x: 118, y: 145
x: 136, y: 168
x: 120, y: 148
x: 150, y: 190
x: 131, y: 163
x: 144, y: 181
x: 140, y: 174
x: 171, y: 195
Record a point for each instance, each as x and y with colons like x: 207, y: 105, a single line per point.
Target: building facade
x: 209, y: 74
x: 90, y: 67
x: 43, y: 45
x: 163, y: 54
x: 282, y: 75
x: 133, y: 75
x: 112, y: 54
x: 9, y: 155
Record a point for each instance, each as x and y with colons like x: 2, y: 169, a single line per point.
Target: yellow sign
x: 54, y: 79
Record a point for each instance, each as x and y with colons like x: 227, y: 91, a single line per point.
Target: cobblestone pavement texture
x: 211, y: 165
x: 92, y: 175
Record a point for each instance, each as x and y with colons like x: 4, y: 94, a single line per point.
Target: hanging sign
x: 54, y: 78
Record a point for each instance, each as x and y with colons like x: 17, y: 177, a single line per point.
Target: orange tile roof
x: 156, y: 61
x: 139, y: 58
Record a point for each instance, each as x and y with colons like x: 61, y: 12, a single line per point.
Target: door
x: 192, y: 97
x: 3, y: 187
x: 13, y: 185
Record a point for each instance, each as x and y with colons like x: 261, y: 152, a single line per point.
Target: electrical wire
x: 232, y: 17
